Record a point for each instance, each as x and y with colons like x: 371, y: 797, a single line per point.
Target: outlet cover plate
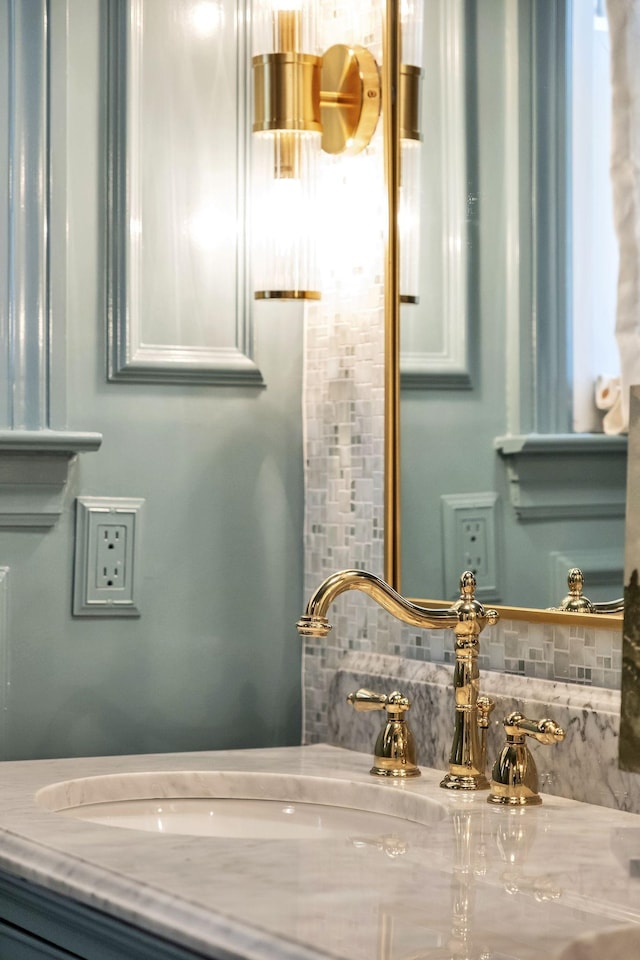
x: 460, y: 513
x: 107, y: 557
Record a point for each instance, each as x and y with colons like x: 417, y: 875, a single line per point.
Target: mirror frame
x: 392, y: 439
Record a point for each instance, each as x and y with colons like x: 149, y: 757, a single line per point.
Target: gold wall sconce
x: 306, y: 102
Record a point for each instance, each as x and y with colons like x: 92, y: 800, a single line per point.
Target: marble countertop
x: 479, y: 882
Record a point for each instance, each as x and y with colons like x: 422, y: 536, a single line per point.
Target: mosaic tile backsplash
x: 538, y: 651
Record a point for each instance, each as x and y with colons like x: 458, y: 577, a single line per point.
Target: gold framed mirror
x: 394, y: 514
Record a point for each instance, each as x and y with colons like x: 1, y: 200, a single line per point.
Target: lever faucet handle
x: 395, y: 749
x: 364, y: 700
x: 518, y: 727
x: 514, y: 778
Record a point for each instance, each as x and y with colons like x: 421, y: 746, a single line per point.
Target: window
x: 594, y: 266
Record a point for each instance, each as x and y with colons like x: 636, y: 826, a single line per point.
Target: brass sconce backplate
x: 349, y: 98
x: 341, y: 97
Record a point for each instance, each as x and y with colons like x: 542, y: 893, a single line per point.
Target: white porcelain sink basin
x: 240, y: 805
x: 265, y: 819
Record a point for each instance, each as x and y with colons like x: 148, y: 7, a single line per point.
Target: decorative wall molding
x: 180, y: 346
x: 536, y: 192
x: 34, y: 469
x: 63, y: 442
x: 432, y: 371
x: 448, y: 368
x: 25, y: 320
x: 34, y: 457
x: 565, y: 476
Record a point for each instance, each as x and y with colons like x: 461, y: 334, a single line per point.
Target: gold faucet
x: 467, y: 617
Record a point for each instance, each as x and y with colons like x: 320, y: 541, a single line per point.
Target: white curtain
x: 624, y: 27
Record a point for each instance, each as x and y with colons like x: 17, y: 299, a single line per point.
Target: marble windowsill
x: 529, y: 882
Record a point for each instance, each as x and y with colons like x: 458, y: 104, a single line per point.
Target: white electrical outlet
x: 107, y: 559
x: 470, y: 542
x: 473, y: 544
x: 110, y: 567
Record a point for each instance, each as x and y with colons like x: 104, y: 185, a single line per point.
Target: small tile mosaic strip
x: 544, y: 651
x: 343, y: 403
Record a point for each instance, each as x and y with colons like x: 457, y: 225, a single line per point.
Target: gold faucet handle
x: 514, y: 778
x: 544, y: 731
x: 363, y: 700
x: 395, y: 749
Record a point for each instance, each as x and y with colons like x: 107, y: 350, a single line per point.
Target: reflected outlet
x: 107, y: 549
x: 470, y: 542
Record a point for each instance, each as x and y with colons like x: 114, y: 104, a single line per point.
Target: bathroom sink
x: 255, y: 819
x: 240, y: 804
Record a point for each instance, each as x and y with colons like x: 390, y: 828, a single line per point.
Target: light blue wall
x: 214, y: 659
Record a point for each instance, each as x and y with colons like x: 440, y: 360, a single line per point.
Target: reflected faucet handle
x: 514, y: 778
x: 395, y: 750
x: 576, y: 602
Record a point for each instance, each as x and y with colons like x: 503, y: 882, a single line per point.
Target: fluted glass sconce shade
x: 286, y: 70
x: 304, y: 103
x: 285, y: 216
x: 411, y: 25
x: 285, y: 26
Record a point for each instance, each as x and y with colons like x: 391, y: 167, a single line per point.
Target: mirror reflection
x: 505, y: 466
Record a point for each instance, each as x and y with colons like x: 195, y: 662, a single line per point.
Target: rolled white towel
x: 613, y: 421
x: 607, y: 392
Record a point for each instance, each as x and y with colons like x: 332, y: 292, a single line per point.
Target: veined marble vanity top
x: 439, y: 875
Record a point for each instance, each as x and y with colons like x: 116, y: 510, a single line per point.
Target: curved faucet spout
x: 314, y: 622
x: 467, y: 617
